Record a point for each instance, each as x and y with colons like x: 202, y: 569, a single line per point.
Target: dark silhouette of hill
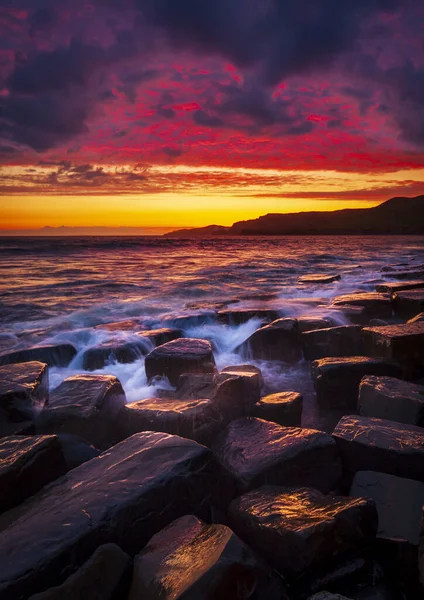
x: 396, y: 216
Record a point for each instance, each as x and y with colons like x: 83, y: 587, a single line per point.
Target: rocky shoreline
x: 213, y: 489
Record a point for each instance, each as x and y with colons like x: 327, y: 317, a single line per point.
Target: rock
x: 124, y: 496
x: 85, y: 406
x: 116, y: 350
x: 54, y: 356
x: 399, y: 503
x: 180, y: 356
x: 129, y: 325
x: 367, y: 444
x: 418, y: 319
x: 221, y: 565
x: 258, y: 452
x: 337, y: 380
x: 236, y: 394
x: 100, y: 578
x: 284, y: 408
x: 238, y: 316
x: 392, y: 287
x: 194, y: 419
x: 192, y: 386
x: 409, y: 303
x: 76, y: 451
x: 277, y: 341
x: 188, y: 320
x: 376, y: 306
x: 245, y: 369
x: 26, y: 465
x: 356, y: 315
x: 319, y: 278
x: 302, y: 532
x: 392, y: 399
x: 345, y: 340
x: 403, y: 343
x: 377, y: 323
x: 305, y: 324
x: 24, y: 389
x: 157, y: 337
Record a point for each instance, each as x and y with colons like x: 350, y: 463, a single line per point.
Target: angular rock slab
x: 345, y: 340
x: 54, y: 356
x: 409, y: 303
x: 319, y: 278
x: 238, y: 316
x: 376, y: 306
x: 26, y: 465
x: 158, y: 337
x: 124, y: 496
x: 237, y: 369
x: 24, y: 388
x: 399, y: 503
x: 193, y: 560
x: 174, y: 358
x: 403, y: 343
x: 337, y: 380
x: 117, y: 350
x: 236, y: 394
x: 392, y: 399
x: 367, y: 444
x: 395, y: 286
x: 194, y: 419
x: 301, y: 531
x: 258, y: 452
x: 284, y: 408
x: 100, y: 578
x: 86, y: 406
x: 277, y: 341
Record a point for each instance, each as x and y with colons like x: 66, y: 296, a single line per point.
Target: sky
x: 183, y: 113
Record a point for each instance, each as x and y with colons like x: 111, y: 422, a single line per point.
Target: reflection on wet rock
x: 284, y: 408
x: 392, y: 399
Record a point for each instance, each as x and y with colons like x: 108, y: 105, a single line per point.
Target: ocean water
x: 55, y: 290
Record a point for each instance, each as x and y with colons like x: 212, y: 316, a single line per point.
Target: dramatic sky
x: 189, y: 112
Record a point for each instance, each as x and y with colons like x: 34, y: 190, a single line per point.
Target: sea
x: 56, y: 290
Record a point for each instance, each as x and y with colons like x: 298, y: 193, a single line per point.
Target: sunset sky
x: 173, y: 113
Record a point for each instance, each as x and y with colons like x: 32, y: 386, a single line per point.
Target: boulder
x: 245, y: 369
x: 284, y: 408
x: 116, y: 350
x: 376, y: 306
x: 403, y: 343
x: 319, y: 278
x: 236, y: 394
x: 305, y: 324
x: 392, y: 399
x: 220, y: 565
x: 188, y: 320
x: 302, y: 532
x: 85, y: 406
x: 258, y: 452
x: 395, y: 286
x: 26, y: 465
x: 337, y: 380
x: 76, y: 451
x: 54, y: 356
x: 367, y: 444
x: 192, y: 386
x: 357, y: 315
x: 157, y: 337
x: 238, y: 316
x: 345, y: 340
x: 129, y: 325
x: 24, y: 389
x: 102, y: 577
x: 408, y: 303
x: 194, y: 419
x: 174, y: 358
x: 277, y: 341
x: 124, y: 496
x: 399, y: 503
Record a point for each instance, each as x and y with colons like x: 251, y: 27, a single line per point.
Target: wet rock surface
x: 408, y: 303
x: 337, y: 380
x: 284, y: 408
x: 258, y: 452
x: 157, y: 337
x: 102, y: 577
x: 220, y: 565
x: 392, y: 399
x: 124, y: 496
x: 375, y: 305
x: 403, y: 343
x: 181, y: 356
x: 237, y: 316
x: 277, y: 341
x: 26, y: 465
x: 54, y: 356
x: 302, y: 532
x: 368, y: 444
x: 24, y: 389
x: 118, y: 350
x: 390, y: 288
x: 342, y: 341
x: 319, y: 278
x: 85, y: 406
x: 398, y: 500
x: 236, y: 394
